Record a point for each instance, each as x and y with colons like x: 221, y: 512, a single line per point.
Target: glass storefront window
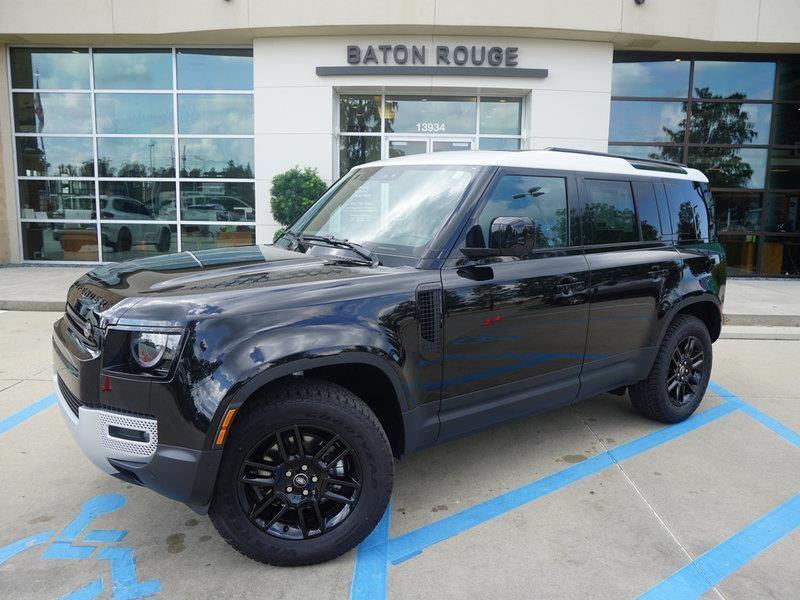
x: 788, y: 80
x: 357, y: 150
x: 784, y: 169
x: 638, y: 121
x: 142, y: 200
x: 655, y: 78
x: 218, y: 201
x: 50, y: 68
x: 215, y: 113
x: 730, y: 79
x: 782, y: 212
x: 787, y: 124
x: 135, y: 157
x: 59, y: 241
x: 737, y: 212
x: 781, y: 256
x: 52, y: 112
x: 55, y: 157
x: 430, y: 114
x: 133, y: 113
x: 741, y: 253
x: 56, y: 199
x: 204, y: 237
x: 142, y: 159
x: 731, y: 167
x: 501, y: 116
x: 124, y: 241
x: 505, y: 144
x: 215, y: 69
x: 132, y: 69
x: 728, y: 123
x: 216, y: 157
x: 358, y: 114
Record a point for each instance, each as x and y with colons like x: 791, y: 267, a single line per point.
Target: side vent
x: 429, y: 318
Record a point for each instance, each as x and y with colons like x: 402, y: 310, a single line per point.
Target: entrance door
x: 408, y: 146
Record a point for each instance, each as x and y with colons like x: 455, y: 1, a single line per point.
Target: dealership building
x: 133, y: 129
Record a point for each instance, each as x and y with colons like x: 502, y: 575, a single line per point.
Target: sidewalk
x: 748, y: 302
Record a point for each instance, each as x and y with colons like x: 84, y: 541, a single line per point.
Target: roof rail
x: 638, y: 159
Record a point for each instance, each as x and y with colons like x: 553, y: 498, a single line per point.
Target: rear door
x: 633, y: 266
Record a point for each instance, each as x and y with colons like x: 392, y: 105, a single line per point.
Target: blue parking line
x: 779, y: 428
x: 369, y: 574
x: 412, y: 543
x: 727, y: 557
x: 26, y: 413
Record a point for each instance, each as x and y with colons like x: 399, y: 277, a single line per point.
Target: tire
x: 657, y: 399
x: 321, y: 412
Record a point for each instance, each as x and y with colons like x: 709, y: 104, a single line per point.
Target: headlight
x: 154, y: 351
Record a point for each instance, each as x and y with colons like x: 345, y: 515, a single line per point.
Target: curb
x: 32, y: 305
x: 762, y: 320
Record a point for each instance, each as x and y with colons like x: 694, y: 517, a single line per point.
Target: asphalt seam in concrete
x: 647, y: 503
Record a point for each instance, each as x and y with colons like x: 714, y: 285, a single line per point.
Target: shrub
x: 293, y: 192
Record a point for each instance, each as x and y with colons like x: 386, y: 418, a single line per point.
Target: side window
x: 543, y: 199
x: 608, y: 214
x: 688, y: 210
x: 647, y: 209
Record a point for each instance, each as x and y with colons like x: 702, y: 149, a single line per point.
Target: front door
x: 514, y: 328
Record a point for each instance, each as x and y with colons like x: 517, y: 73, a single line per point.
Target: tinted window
x: 726, y: 79
x: 360, y: 113
x: 133, y: 113
x: 50, y: 68
x: 660, y: 78
x: 217, y: 69
x: 639, y: 121
x: 688, y: 210
x: 608, y: 215
x: 132, y: 69
x: 543, y: 199
x: 430, y: 114
x: 215, y: 113
x: 647, y: 209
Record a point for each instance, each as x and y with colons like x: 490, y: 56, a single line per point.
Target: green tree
x: 293, y: 192
x: 714, y: 123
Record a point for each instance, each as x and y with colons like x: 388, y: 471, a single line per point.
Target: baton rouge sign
x: 403, y: 59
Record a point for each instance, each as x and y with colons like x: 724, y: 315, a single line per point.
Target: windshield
x: 391, y: 210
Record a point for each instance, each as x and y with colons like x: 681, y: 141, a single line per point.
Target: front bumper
x: 105, y: 436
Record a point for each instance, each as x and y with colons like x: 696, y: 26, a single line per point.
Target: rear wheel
x: 680, y: 374
x: 305, y: 476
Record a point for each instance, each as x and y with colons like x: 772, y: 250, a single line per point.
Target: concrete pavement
x: 611, y: 529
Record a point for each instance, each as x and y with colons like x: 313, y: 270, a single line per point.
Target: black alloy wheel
x: 305, y: 475
x: 685, y: 371
x: 673, y: 389
x: 299, y: 482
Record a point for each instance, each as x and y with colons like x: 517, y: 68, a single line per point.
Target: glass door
x: 406, y: 147
x: 440, y: 145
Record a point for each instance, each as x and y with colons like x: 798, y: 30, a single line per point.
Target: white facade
x: 296, y: 111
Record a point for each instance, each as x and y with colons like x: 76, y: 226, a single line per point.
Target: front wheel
x: 680, y: 374
x: 305, y: 476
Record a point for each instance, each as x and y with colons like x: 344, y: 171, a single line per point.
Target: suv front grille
x: 71, y: 399
x: 77, y: 323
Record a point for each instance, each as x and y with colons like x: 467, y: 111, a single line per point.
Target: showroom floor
x: 587, y: 501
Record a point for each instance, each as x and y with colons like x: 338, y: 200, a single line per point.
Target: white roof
x: 537, y: 159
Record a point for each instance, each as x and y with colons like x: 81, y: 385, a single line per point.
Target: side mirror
x: 512, y: 236
x: 508, y: 236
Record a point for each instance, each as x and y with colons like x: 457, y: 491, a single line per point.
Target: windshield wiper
x: 364, y: 253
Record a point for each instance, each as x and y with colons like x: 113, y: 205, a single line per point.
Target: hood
x: 177, y: 282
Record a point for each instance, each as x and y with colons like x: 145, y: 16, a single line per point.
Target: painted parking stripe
x: 412, y: 543
x: 369, y: 575
x: 26, y: 413
x: 724, y: 559
x: 790, y: 436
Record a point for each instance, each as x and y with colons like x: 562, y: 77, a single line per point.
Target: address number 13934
x: 431, y: 127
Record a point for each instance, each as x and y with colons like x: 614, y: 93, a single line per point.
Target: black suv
x: 419, y: 299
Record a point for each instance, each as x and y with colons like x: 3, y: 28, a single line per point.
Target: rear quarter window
x: 688, y: 210
x: 609, y: 216
x: 647, y: 209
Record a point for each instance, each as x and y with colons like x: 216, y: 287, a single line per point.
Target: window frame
x: 473, y: 216
x: 175, y: 138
